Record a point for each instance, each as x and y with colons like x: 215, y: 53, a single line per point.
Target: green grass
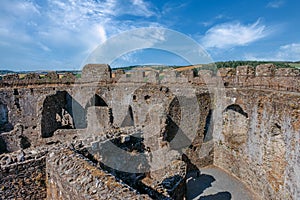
x: 296, y: 65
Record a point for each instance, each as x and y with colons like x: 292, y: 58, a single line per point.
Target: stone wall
x: 23, y: 175
x: 262, y: 77
x: 265, y: 76
x: 132, y: 163
x: 96, y: 72
x: 99, y: 120
x: 259, y: 141
x: 70, y: 176
x: 201, y: 150
x: 15, y: 140
x: 3, y: 115
x: 252, y: 131
x: 16, y: 101
x: 35, y: 79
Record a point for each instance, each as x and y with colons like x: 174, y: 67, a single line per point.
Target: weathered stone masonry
x: 252, y: 131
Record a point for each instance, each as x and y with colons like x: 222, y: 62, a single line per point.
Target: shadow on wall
x: 173, y: 133
x: 208, y: 129
x: 173, y: 120
x: 128, y: 120
x: 58, y: 113
x: 238, y: 109
x: 95, y: 100
x: 3, y: 147
x: 5, y: 126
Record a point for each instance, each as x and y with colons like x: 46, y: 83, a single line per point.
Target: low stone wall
x: 70, y: 176
x: 143, y: 173
x: 23, y: 180
x: 169, y: 181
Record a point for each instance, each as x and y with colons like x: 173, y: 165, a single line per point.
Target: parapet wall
x: 35, y: 79
x: 262, y: 77
x: 266, y: 76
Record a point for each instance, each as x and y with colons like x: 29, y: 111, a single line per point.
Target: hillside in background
x: 225, y: 64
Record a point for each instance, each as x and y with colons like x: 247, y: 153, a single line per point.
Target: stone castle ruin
x: 137, y: 135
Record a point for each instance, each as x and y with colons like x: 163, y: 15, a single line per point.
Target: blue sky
x: 60, y: 34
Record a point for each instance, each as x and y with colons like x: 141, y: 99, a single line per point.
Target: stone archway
x: 58, y: 113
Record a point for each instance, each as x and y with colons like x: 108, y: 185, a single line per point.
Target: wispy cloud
x: 126, y: 59
x: 20, y: 8
x: 72, y: 27
x: 233, y: 34
x: 288, y: 52
x: 215, y: 20
x: 141, y: 8
x: 275, y: 4
x: 43, y: 47
x: 91, y: 22
x: 171, y: 6
x: 11, y: 27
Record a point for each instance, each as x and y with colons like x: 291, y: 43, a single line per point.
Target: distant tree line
x: 234, y: 64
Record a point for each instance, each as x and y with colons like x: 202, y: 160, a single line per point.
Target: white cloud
x: 73, y: 12
x: 57, y: 18
x: 43, y: 47
x: 90, y: 22
x: 141, y: 8
x: 101, y: 33
x: 289, y: 52
x: 126, y: 59
x: 85, y: 16
x: 72, y: 27
x: 214, y: 20
x: 275, y: 4
x: 20, y: 8
x: 234, y: 34
x: 71, y: 15
x: 16, y: 17
x: 172, y: 6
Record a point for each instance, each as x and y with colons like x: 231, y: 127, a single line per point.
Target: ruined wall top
x: 96, y: 72
x: 266, y: 75
x: 264, y: 70
x: 94, y: 183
